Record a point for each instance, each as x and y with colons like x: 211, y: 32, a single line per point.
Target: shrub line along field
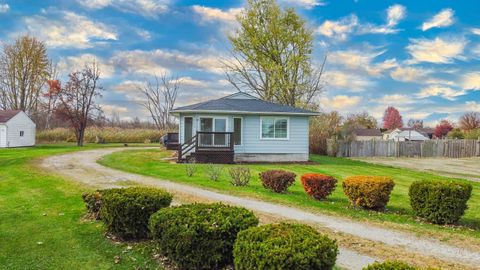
x: 88, y: 171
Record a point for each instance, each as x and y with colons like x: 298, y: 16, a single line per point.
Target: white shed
x: 16, y: 129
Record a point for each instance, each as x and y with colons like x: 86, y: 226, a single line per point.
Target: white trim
x: 243, y: 112
x: 241, y: 131
x: 275, y: 139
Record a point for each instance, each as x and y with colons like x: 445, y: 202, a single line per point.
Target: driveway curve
x: 83, y: 167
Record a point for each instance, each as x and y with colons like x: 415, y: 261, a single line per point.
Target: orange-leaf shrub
x: 372, y: 192
x: 277, y: 180
x: 318, y: 186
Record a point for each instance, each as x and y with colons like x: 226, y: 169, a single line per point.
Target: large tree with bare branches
x: 271, y: 55
x: 469, y: 121
x: 24, y: 68
x: 78, y: 98
x: 160, y: 95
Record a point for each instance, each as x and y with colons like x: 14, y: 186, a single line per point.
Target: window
x: 237, y: 131
x: 21, y: 133
x: 274, y: 128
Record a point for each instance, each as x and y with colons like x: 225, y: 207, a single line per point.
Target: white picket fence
x: 390, y: 148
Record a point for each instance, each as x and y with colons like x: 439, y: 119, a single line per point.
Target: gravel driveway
x: 82, y: 167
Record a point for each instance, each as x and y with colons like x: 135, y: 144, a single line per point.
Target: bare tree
x: 78, y: 98
x: 469, y: 121
x: 160, y: 97
x: 415, y: 123
x: 23, y: 72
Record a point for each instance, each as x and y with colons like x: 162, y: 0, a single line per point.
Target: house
x: 366, y: 134
x: 408, y: 134
x: 16, y: 129
x: 242, y: 128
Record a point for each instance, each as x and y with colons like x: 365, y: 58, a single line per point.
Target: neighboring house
x: 242, y: 128
x: 365, y: 134
x: 16, y: 129
x: 407, y: 134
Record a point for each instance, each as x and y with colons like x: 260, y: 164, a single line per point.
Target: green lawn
x: 41, y: 224
x: 398, y: 214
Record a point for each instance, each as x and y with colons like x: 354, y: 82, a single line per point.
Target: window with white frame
x: 274, y: 127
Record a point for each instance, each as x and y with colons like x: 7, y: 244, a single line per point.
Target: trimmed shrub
x: 200, y: 236
x: 439, y: 202
x: 240, y: 176
x: 277, y: 180
x: 371, y: 192
x: 389, y: 265
x: 214, y: 171
x: 93, y: 203
x: 126, y: 211
x: 284, y: 246
x: 318, y: 186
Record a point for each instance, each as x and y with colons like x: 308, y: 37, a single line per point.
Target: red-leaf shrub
x: 277, y: 180
x: 318, y: 186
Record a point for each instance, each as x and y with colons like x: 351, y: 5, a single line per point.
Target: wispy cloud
x: 338, y: 29
x: 69, y: 31
x: 4, y: 8
x: 347, y: 81
x: 362, y: 61
x: 442, y: 91
x: 307, y: 4
x: 74, y: 63
x: 340, y: 102
x: 145, y: 8
x: 436, y: 50
x: 208, y: 14
x: 442, y: 19
x: 471, y: 81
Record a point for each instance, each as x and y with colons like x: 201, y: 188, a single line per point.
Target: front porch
x: 208, y: 147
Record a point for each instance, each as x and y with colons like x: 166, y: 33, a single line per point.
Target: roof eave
x: 177, y: 112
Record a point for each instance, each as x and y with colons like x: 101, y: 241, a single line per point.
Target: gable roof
x: 242, y: 103
x: 368, y: 132
x: 6, y: 115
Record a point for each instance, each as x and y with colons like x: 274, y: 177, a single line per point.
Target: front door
x: 187, y: 129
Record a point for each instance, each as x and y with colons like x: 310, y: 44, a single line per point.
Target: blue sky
x: 422, y: 57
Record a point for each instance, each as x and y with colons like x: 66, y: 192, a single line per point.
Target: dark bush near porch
x: 200, y: 236
x: 389, y: 265
x: 440, y: 202
x: 126, y: 211
x: 93, y: 203
x: 318, y: 186
x: 277, y: 180
x: 284, y: 246
x: 371, y: 192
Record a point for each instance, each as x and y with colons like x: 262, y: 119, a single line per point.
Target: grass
x: 41, y: 225
x: 398, y: 213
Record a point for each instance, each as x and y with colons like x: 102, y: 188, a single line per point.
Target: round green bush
x: 200, y: 236
x: 284, y: 246
x: 390, y: 265
x: 126, y: 211
x: 440, y: 202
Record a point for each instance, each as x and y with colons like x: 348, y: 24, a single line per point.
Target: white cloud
x: 338, y: 29
x: 74, y: 63
x: 157, y: 62
x: 110, y: 109
x: 476, y: 31
x: 347, y: 81
x: 308, y: 4
x: 409, y: 74
x: 208, y: 14
x: 437, y: 50
x: 4, y: 8
x: 70, y: 31
x: 342, y: 28
x: 128, y: 86
x: 361, y: 61
x: 471, y: 81
x: 340, y: 102
x: 395, y: 99
x: 146, y: 8
x: 442, y: 91
x: 442, y: 19
x: 189, y: 81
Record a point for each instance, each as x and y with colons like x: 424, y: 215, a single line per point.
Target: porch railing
x: 206, y: 141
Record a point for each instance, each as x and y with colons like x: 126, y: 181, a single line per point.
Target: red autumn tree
x: 392, y: 118
x: 442, y: 129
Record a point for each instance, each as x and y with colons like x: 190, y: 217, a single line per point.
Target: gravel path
x: 82, y: 167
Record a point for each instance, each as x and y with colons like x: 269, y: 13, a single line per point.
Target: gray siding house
x: 243, y: 128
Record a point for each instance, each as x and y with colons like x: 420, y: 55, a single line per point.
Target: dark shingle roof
x: 7, y: 115
x: 242, y: 103
x: 368, y: 132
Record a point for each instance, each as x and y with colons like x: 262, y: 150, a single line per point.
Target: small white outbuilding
x: 16, y: 129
